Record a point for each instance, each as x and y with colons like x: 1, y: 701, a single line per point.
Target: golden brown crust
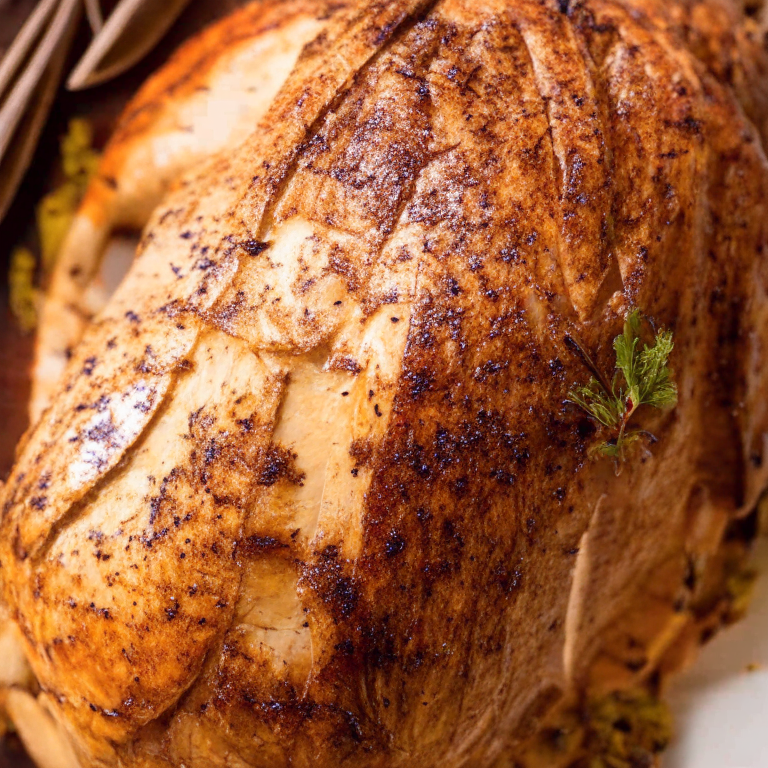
x: 440, y: 197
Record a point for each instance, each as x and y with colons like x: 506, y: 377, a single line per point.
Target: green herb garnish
x: 642, y: 377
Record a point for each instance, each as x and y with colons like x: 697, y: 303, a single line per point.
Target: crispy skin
x: 210, y: 96
x: 310, y: 492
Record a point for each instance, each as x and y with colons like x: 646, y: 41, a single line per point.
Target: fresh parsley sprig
x: 642, y: 377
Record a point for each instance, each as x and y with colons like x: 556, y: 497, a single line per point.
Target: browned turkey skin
x: 310, y: 492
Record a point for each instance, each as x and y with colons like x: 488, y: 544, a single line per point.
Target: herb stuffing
x: 57, y: 209
x: 626, y: 729
x: 642, y: 377
x: 21, y: 288
x: 55, y: 214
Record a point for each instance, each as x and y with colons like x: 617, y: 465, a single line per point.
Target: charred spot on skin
x: 193, y: 418
x: 340, y: 264
x: 204, y: 264
x: 508, y: 579
x: 173, y: 309
x: 585, y: 430
x: 452, y: 535
x: 254, y: 247
x: 212, y: 452
x: 132, y: 317
x: 391, y: 297
x: 100, y: 405
x: 345, y: 363
x: 419, y: 382
x: 231, y: 310
x: 148, y: 541
x: 490, y: 368
x: 88, y: 366
x: 394, y: 544
x: 331, y: 552
x: 279, y: 464
x: 345, y: 647
x: 156, y: 502
x: 689, y: 124
x: 361, y: 451
x: 103, y: 432
x: 327, y: 578
x: 460, y: 487
x: 255, y: 545
x: 556, y: 366
x: 103, y: 612
x: 503, y: 476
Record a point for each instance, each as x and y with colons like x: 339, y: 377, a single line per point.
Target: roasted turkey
x: 309, y: 490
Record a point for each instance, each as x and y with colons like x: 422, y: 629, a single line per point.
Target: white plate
x: 720, y: 706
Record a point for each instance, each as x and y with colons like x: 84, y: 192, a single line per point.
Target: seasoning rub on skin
x: 263, y: 524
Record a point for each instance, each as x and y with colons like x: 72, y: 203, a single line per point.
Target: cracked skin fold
x: 309, y: 492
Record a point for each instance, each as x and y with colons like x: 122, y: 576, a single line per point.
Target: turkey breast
x: 310, y: 491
